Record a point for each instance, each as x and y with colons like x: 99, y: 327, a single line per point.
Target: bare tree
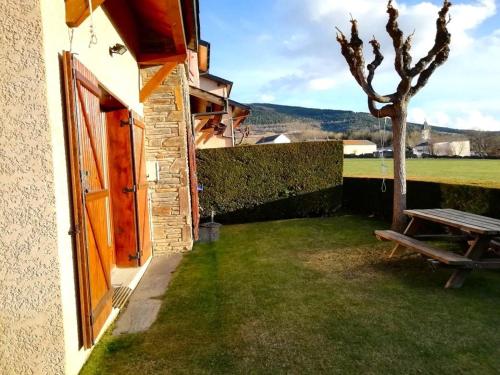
x: 245, y: 133
x: 483, y: 143
x: 396, y: 104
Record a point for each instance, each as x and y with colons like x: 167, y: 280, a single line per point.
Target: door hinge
x: 127, y: 122
x: 131, y: 189
x: 137, y: 256
x: 74, y: 230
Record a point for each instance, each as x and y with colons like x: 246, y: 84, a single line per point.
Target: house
x: 453, y: 148
x: 274, y: 139
x: 359, y: 147
x: 97, y: 165
x: 447, y: 148
x: 216, y: 117
x: 423, y: 148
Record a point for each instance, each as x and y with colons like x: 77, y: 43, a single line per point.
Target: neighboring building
x: 359, y: 147
x: 423, y: 148
x: 97, y: 165
x: 217, y: 118
x: 274, y: 139
x: 454, y: 148
x: 451, y: 148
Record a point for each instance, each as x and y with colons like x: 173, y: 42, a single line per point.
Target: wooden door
x: 129, y: 188
x: 121, y: 181
x: 91, y: 196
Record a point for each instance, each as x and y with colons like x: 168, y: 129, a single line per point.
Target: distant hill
x: 281, y: 118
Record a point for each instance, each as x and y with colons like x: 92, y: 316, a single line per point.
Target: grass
x: 455, y: 171
x: 311, y: 296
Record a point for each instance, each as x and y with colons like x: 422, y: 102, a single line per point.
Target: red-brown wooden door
x: 91, y: 196
x: 129, y: 188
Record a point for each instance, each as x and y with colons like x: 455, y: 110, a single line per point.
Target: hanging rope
x: 383, y: 165
x: 93, y: 35
x: 71, y: 33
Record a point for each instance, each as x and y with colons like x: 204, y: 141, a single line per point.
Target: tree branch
x: 441, y: 42
x: 376, y: 61
x: 397, y: 37
x: 353, y: 53
x: 426, y: 74
x: 385, y: 111
x: 407, y: 59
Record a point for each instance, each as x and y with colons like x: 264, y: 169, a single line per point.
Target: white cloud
x: 463, y: 119
x: 321, y: 84
x: 476, y: 120
x: 267, y: 98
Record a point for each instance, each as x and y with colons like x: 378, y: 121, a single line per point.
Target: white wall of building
x: 214, y: 87
x: 38, y: 318
x: 455, y: 148
x: 359, y: 149
x: 120, y: 75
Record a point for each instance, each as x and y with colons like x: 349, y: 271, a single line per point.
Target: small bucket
x: 209, y: 232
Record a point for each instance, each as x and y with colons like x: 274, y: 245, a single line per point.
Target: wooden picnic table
x: 475, y: 230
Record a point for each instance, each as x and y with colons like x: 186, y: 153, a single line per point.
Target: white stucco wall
x: 213, y: 87
x: 38, y: 318
x: 31, y: 327
x: 120, y: 75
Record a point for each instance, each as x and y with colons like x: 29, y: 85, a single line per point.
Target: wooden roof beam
x: 146, y: 59
x: 78, y: 10
x: 208, y: 96
x: 156, y: 80
x: 174, y: 17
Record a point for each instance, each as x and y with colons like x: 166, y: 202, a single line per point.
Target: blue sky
x: 284, y: 51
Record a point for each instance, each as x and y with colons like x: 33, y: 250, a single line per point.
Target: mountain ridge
x: 268, y: 115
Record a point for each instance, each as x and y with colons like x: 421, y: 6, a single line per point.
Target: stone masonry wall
x: 167, y: 115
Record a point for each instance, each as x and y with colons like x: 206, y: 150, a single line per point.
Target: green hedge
x: 364, y: 195
x: 268, y: 182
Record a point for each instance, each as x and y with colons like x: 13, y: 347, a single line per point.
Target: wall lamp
x: 118, y: 48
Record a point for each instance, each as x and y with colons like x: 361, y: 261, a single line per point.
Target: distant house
x: 423, y: 148
x: 454, y: 148
x: 359, y: 147
x: 274, y: 139
x: 451, y: 148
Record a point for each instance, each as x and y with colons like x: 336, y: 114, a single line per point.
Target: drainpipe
x: 232, y: 131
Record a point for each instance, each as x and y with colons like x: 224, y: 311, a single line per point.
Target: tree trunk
x: 399, y: 150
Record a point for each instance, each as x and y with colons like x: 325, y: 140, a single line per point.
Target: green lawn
x: 311, y: 296
x: 456, y: 171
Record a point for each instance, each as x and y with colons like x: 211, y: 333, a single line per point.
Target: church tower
x: 426, y: 132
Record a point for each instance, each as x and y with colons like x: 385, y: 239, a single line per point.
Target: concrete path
x: 144, y: 304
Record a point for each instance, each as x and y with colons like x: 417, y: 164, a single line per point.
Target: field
x: 454, y: 171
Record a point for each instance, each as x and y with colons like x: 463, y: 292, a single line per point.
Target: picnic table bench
x: 478, y: 232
